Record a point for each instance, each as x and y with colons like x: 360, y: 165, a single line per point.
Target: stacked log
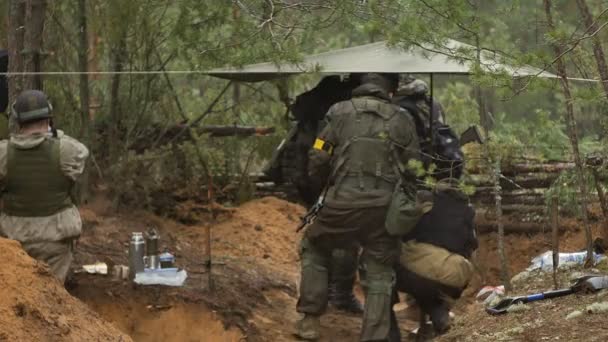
x: 523, y: 195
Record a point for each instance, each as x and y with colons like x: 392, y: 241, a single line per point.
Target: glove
x: 424, y: 201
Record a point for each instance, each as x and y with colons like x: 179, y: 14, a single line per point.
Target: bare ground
x: 252, y: 291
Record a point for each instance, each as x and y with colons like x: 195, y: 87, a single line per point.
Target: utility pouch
x: 404, y: 212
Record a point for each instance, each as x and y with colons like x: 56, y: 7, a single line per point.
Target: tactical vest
x: 364, y: 165
x: 35, y: 185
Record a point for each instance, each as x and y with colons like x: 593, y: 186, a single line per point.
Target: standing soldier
x: 413, y: 95
x: 39, y: 167
x: 310, y: 109
x: 360, y: 156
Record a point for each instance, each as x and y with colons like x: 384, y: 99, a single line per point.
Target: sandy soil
x: 251, y: 291
x: 34, y: 306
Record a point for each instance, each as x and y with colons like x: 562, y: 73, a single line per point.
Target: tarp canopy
x: 378, y: 57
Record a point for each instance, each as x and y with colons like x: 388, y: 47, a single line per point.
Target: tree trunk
x: 603, y: 203
x: 16, y: 15
x: 32, y: 60
x: 598, y: 51
x: 117, y: 53
x: 83, y: 57
x: 25, y: 35
x: 555, y: 238
x: 487, y: 126
x: 571, y: 123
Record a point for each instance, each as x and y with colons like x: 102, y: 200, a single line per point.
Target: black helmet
x: 32, y: 105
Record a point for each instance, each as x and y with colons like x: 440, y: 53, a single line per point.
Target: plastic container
x: 167, y: 277
x: 167, y: 260
x: 545, y: 260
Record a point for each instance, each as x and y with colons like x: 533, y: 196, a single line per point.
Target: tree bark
x: 572, y: 135
x: 16, y: 15
x: 116, y: 56
x: 487, y: 126
x: 25, y: 36
x: 32, y: 44
x: 603, y: 203
x: 83, y: 66
x: 598, y: 51
x: 555, y: 238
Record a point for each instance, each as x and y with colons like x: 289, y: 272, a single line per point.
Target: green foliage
x: 461, y: 109
x: 567, y: 190
x: 200, y: 35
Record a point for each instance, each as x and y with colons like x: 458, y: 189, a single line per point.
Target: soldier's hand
x: 424, y: 200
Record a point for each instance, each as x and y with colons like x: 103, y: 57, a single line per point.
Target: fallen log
x: 516, y: 228
x: 518, y: 168
x: 514, y: 209
x: 230, y: 130
x: 507, y: 198
x: 526, y: 181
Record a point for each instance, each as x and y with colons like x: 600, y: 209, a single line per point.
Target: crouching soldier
x: 38, y: 169
x: 434, y: 266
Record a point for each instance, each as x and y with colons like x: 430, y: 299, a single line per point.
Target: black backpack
x: 439, y: 145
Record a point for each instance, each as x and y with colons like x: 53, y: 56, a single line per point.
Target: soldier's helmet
x: 32, y: 105
x: 388, y: 81
x: 415, y: 87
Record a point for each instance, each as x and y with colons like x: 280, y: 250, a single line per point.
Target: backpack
x: 439, y: 145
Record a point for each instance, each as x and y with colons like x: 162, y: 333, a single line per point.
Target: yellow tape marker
x: 322, y: 145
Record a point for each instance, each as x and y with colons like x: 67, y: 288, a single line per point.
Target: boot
x: 341, y: 296
x: 440, y: 316
x: 308, y: 328
x: 425, y: 332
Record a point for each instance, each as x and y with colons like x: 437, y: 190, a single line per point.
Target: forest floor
x: 252, y: 290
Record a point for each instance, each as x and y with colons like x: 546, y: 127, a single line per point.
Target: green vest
x: 35, y: 185
x: 364, y: 168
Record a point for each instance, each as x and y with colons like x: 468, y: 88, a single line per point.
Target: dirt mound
x: 35, y: 307
x: 263, y: 229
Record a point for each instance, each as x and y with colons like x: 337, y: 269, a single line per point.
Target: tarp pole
x: 432, y: 114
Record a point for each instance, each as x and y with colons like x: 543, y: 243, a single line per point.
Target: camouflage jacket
x: 363, y: 149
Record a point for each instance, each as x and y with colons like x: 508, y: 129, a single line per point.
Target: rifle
x: 312, y: 213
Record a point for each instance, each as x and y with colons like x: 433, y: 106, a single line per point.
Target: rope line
x: 126, y: 72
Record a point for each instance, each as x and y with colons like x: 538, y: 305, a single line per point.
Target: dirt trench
x: 254, y: 276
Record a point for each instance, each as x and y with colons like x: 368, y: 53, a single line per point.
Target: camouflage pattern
x: 415, y: 87
x: 57, y: 229
x: 355, y: 207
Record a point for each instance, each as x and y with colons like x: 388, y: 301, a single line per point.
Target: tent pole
x: 432, y: 114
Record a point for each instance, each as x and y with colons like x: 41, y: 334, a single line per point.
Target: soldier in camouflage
x: 310, y: 109
x: 39, y: 167
x: 413, y: 95
x: 360, y: 156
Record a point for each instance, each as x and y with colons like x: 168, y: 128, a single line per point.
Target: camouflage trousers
x: 57, y: 254
x: 363, y: 227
